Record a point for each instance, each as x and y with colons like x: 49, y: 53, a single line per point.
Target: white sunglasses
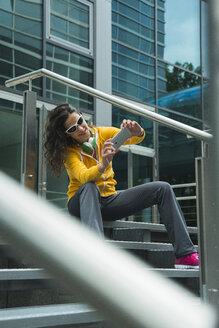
x: 73, y: 128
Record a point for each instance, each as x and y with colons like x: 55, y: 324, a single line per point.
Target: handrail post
x: 200, y: 196
x: 42, y: 167
x: 28, y: 139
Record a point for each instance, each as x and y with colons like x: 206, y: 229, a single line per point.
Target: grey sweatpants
x: 92, y: 209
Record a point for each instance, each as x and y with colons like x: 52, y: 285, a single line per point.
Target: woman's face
x: 82, y: 132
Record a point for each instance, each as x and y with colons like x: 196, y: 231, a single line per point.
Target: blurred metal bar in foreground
x: 211, y: 168
x: 114, y: 282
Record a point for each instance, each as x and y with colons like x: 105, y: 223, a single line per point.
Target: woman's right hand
x: 108, y: 152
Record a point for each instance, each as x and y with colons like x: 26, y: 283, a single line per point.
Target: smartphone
x: 119, y: 139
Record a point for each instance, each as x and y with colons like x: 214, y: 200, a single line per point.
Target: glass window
x: 181, y: 168
x: 142, y: 173
x: 28, y: 8
x: 121, y: 171
x: 75, y: 67
x: 182, y: 31
x: 179, y: 90
x: 118, y: 115
x: 56, y: 192
x: 6, y: 18
x: 71, y: 23
x: 134, y: 72
x: 21, y: 40
x: 133, y: 24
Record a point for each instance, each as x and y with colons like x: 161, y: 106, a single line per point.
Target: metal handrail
x: 114, y: 282
x: 173, y: 124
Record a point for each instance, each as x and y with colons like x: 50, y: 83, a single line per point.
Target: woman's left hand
x: 133, y: 126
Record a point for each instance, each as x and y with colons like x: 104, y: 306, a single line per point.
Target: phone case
x: 121, y: 137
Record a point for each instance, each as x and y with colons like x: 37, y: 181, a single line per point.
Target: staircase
x: 30, y: 298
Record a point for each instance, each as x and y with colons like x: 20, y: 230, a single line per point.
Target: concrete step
x: 142, y: 225
x: 49, y: 316
x: 143, y: 245
x: 40, y: 274
x: 141, y: 231
x: 178, y: 273
x: 23, y: 274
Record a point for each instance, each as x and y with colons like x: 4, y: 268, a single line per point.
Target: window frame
x: 62, y: 42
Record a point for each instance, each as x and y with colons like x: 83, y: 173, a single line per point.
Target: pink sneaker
x: 190, y: 261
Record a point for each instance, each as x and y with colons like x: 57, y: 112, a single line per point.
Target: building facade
x: 150, y: 52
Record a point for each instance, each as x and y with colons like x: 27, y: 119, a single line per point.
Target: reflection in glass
x: 118, y: 115
x: 179, y: 31
x: 75, y: 67
x: 57, y: 189
x: 121, y: 171
x: 142, y: 173
x: 179, y: 90
x: 182, y: 151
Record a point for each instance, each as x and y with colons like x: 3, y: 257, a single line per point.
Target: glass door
x: 49, y: 186
x: 10, y: 138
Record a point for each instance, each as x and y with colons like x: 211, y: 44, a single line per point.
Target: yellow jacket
x: 83, y: 168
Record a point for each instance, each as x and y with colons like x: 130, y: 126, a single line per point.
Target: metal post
x: 211, y: 201
x: 155, y: 214
x: 200, y: 196
x: 130, y: 175
x: 42, y: 168
x: 130, y: 169
x: 28, y: 139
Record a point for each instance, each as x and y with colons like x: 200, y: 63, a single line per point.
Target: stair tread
x: 23, y: 274
x: 141, y: 225
x: 47, y: 315
x: 177, y: 273
x: 33, y: 273
x: 143, y: 245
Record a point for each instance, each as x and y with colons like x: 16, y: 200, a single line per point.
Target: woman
x: 87, y: 155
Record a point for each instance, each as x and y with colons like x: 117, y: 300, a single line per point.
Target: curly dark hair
x: 56, y: 140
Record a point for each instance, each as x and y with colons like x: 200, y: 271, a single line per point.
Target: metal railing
x: 173, y: 124
x: 180, y: 127
x: 114, y: 282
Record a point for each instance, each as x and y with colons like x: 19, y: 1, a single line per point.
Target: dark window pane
x: 121, y: 174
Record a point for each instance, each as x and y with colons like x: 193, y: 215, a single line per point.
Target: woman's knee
x: 164, y: 188
x: 89, y: 187
x: 165, y: 185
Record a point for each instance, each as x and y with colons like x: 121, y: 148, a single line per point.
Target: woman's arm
x: 108, y: 152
